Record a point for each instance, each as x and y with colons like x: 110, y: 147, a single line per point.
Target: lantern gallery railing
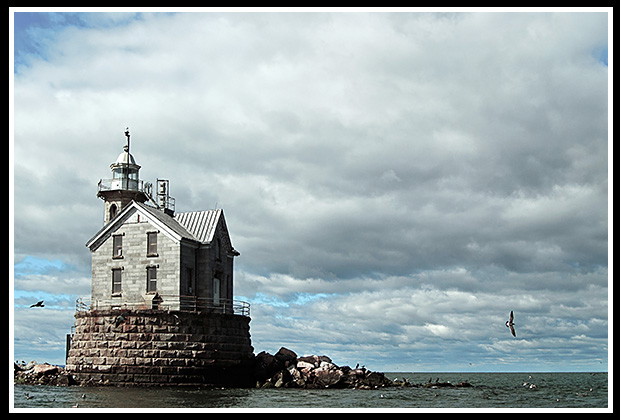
x: 123, y: 184
x: 168, y: 302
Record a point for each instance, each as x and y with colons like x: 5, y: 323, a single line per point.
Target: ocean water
x: 489, y: 390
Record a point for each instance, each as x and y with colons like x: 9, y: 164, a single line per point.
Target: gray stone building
x: 146, y: 256
x: 161, y: 308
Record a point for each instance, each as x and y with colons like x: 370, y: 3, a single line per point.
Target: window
x: 117, y: 251
x: 218, y: 245
x: 113, y: 211
x: 216, y: 291
x: 116, y: 281
x: 188, y: 284
x: 118, y: 173
x: 151, y: 279
x: 151, y: 244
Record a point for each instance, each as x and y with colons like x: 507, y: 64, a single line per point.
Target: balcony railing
x: 168, y: 302
x: 124, y: 184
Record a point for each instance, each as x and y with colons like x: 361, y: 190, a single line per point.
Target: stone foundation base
x: 153, y: 347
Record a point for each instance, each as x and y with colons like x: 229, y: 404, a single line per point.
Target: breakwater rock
x: 33, y: 373
x: 404, y: 382
x: 286, y: 370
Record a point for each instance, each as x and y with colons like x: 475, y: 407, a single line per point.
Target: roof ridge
x: 198, y: 211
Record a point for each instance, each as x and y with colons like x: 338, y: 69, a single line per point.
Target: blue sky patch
x: 34, y: 265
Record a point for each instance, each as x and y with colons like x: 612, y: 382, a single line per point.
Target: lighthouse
x: 161, y: 309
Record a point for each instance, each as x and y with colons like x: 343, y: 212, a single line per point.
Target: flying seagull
x: 511, y: 324
x: 39, y: 304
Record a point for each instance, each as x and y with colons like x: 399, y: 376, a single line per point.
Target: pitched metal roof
x: 201, y: 224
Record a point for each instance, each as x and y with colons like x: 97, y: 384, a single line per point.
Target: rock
x: 376, y: 380
x: 327, y: 378
x: 353, y: 378
x: 297, y: 379
x: 313, y: 360
x: 304, y: 365
x: 463, y: 384
x: 295, y: 374
x: 438, y: 385
x: 325, y: 359
x: 266, y: 385
x: 44, y: 374
x: 278, y: 379
x: 264, y: 358
x: 66, y: 379
x: 326, y: 365
x: 45, y: 369
x: 31, y: 364
x: 286, y: 370
x: 285, y: 355
x: 266, y: 365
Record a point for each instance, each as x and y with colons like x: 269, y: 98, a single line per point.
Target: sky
x: 396, y: 181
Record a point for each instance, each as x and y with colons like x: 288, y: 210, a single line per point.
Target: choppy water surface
x: 490, y: 390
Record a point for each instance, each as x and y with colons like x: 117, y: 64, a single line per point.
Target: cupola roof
x: 125, y: 157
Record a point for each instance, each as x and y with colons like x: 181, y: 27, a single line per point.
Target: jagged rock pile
x: 286, y: 370
x: 32, y: 373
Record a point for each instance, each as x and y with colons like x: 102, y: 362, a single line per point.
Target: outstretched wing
x: 511, y: 317
x: 512, y: 330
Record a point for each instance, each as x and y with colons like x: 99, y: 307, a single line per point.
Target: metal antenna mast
x: 127, y: 150
x: 127, y: 135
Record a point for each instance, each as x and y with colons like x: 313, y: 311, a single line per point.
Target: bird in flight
x: 511, y: 324
x: 39, y: 304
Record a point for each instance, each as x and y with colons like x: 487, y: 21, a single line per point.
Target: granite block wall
x: 151, y: 347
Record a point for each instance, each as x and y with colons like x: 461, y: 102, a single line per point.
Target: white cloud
x: 440, y: 330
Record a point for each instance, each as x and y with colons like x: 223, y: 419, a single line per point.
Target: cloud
x: 405, y: 319
x: 391, y: 180
x: 40, y: 333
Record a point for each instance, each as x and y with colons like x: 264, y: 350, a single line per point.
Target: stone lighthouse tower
x: 161, y: 309
x: 124, y: 186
